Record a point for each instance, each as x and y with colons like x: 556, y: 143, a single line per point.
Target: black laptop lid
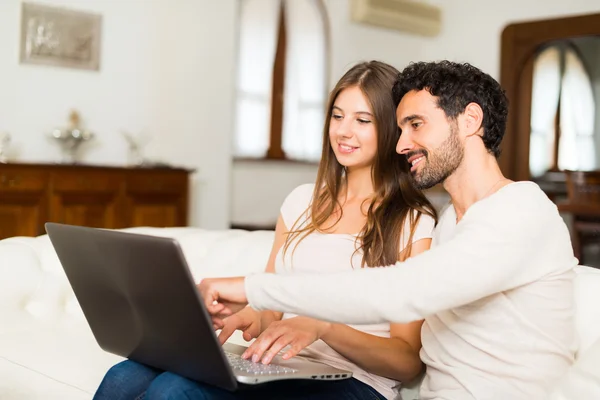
x: 139, y: 298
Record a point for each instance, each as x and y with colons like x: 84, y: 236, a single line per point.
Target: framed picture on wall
x: 60, y: 37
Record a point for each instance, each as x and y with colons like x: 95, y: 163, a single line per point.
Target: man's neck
x: 475, y: 179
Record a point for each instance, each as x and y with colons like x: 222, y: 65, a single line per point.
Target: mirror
x: 551, y: 125
x: 565, y: 111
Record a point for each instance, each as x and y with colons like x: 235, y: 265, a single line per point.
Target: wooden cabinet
x: 103, y: 197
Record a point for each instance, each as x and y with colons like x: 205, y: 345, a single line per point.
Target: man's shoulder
x: 523, y: 197
x: 519, y: 206
x: 524, y: 188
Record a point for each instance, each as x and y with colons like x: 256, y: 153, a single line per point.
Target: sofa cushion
x: 582, y: 381
x: 212, y: 253
x: 20, y: 270
x: 19, y: 382
x: 587, y: 317
x: 20, y: 277
x: 63, y: 350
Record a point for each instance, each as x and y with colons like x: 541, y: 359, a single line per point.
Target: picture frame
x: 60, y: 37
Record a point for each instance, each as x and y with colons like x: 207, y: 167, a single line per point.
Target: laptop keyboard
x: 242, y: 365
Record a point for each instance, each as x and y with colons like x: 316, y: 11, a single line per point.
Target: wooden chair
x: 583, y: 193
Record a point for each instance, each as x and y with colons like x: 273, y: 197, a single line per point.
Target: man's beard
x: 442, y: 162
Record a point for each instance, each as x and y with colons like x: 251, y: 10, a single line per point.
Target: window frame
x: 275, y: 150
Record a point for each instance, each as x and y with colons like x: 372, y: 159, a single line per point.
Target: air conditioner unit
x: 403, y: 15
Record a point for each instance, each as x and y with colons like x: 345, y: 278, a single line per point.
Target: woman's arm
x: 250, y: 321
x: 268, y: 316
x: 396, y: 357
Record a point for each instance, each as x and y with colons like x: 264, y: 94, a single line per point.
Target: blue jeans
x: 129, y: 380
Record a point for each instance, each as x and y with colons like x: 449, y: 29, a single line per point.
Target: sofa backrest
x: 32, y: 278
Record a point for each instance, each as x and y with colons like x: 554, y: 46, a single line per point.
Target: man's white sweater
x: 495, y: 290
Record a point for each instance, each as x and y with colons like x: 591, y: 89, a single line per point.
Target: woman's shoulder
x: 424, y: 227
x: 303, y: 191
x: 425, y: 220
x: 296, y: 203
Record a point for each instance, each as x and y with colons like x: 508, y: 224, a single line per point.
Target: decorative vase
x: 70, y: 139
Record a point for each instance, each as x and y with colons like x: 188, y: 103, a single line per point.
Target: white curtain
x: 544, y: 104
x: 259, y: 20
x: 577, y: 110
x: 305, y: 80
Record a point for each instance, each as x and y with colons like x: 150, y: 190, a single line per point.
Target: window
x: 281, y: 80
x: 544, y: 105
x: 562, y: 113
x: 576, y: 114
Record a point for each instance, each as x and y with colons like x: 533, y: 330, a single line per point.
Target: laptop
x: 140, y: 301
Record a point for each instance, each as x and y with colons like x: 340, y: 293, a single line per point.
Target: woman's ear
x: 473, y: 120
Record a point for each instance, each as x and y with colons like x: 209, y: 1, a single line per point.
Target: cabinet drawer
x: 156, y: 183
x: 88, y: 182
x: 22, y: 180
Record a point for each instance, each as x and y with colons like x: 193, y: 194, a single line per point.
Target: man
x: 495, y: 290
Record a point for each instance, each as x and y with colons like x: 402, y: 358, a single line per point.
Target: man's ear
x: 472, y: 120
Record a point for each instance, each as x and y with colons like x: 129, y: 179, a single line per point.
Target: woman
x: 363, y: 209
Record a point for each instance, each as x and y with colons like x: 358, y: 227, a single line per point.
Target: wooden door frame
x: 520, y: 42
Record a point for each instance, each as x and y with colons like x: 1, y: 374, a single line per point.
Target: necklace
x: 493, y: 186
x: 489, y: 192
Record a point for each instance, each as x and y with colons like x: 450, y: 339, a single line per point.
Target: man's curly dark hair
x: 456, y: 85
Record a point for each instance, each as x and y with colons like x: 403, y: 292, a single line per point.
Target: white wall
x: 169, y: 67
x: 471, y: 32
x: 261, y: 188
x: 165, y: 68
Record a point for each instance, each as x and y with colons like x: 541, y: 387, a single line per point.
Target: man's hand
x: 297, y: 332
x: 248, y: 320
x: 223, y: 296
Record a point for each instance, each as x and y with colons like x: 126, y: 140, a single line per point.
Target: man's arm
x: 488, y: 254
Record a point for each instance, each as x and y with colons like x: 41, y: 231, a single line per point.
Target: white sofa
x: 48, y: 352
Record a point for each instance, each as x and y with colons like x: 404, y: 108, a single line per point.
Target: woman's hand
x: 297, y: 332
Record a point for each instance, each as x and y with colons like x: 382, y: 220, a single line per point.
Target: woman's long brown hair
x: 395, y: 196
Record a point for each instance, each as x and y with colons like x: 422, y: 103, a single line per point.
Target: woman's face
x: 352, y: 131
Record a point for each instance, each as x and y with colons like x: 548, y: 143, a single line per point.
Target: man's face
x: 430, y: 142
